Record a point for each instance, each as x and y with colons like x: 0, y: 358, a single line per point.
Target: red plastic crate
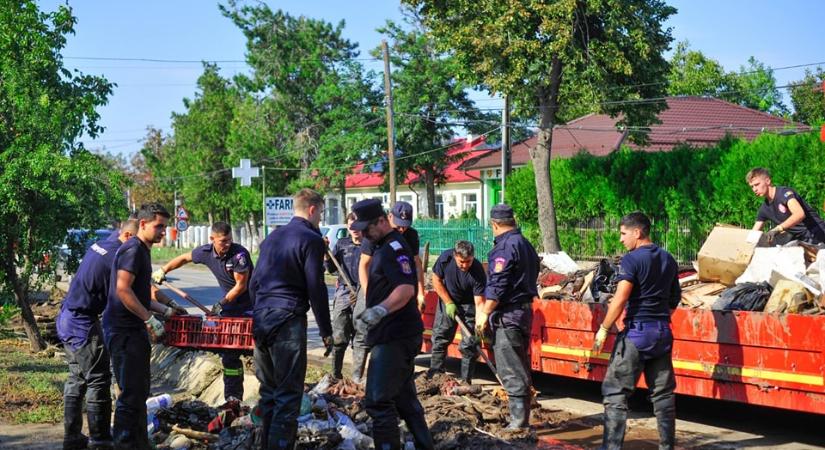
x: 210, y: 333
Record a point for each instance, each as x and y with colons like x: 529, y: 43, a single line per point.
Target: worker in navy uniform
x: 288, y: 281
x: 648, y: 290
x: 126, y: 320
x: 513, y: 268
x: 792, y: 216
x: 347, y: 252
x: 79, y: 330
x: 459, y: 281
x: 400, y: 219
x: 231, y: 265
x: 394, y: 332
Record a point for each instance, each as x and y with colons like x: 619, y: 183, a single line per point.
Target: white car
x: 334, y: 232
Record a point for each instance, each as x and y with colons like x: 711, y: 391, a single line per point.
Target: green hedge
x: 694, y: 188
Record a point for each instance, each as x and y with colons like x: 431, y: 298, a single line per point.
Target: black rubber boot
x: 282, y: 436
x: 666, y: 423
x: 437, y: 362
x: 338, y: 353
x: 615, y: 423
x: 73, y: 438
x: 359, y: 361
x: 519, y: 413
x: 99, y: 417
x: 421, y: 433
x: 468, y: 369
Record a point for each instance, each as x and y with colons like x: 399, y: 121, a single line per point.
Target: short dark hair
x: 510, y: 222
x: 464, y: 249
x: 637, y: 220
x: 306, y: 198
x: 222, y: 228
x: 148, y: 211
x: 351, y: 216
x: 757, y: 172
x: 131, y: 225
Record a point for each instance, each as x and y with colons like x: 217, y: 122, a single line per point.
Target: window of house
x: 439, y: 206
x: 470, y: 202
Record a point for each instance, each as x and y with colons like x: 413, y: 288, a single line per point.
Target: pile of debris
x: 332, y: 416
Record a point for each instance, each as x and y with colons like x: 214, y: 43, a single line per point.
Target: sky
x: 779, y: 34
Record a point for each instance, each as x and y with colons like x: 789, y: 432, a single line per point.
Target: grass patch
x: 162, y: 255
x: 317, y: 371
x: 31, y: 385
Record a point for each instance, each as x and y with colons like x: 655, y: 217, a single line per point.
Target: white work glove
x: 598, y: 341
x: 421, y: 303
x: 372, y: 316
x: 217, y: 308
x: 155, y: 326
x: 159, y: 276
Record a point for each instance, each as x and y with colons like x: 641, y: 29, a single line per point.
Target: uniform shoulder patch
x: 788, y: 194
x: 241, y: 259
x: 498, y: 264
x: 404, y: 262
x: 395, y: 245
x: 98, y: 249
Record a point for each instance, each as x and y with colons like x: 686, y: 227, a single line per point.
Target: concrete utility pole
x: 390, y: 121
x: 505, y: 145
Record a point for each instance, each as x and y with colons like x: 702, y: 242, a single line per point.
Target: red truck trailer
x: 749, y: 357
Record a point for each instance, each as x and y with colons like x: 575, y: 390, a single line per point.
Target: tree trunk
x: 211, y: 219
x: 540, y: 156
x: 343, y: 200
x: 429, y: 184
x: 20, y: 294
x: 256, y: 235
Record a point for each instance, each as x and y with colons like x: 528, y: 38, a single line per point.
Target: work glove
x: 169, y: 312
x: 421, y: 303
x: 159, y: 276
x: 482, y: 322
x: 372, y: 316
x: 353, y: 298
x: 155, y: 327
x: 771, y: 235
x: 598, y: 341
x: 450, y: 309
x: 328, y: 344
x: 180, y: 310
x: 217, y: 308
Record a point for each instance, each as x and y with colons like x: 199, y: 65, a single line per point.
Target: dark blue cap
x: 501, y: 211
x: 402, y: 214
x: 365, y: 212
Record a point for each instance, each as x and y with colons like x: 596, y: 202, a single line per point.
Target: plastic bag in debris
x: 306, y: 404
x: 767, y: 259
x: 316, y: 426
x: 348, y: 431
x: 322, y: 387
x: 744, y: 297
x: 604, y: 280
x: 559, y: 262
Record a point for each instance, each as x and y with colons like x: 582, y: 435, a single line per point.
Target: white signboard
x: 279, y: 210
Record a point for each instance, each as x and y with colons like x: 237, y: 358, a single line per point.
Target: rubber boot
x: 73, y: 438
x: 420, y: 432
x: 468, y: 369
x: 359, y: 361
x: 615, y: 423
x: 437, y: 362
x: 99, y: 417
x: 282, y: 436
x: 519, y: 413
x: 387, y: 441
x: 338, y: 353
x: 666, y: 423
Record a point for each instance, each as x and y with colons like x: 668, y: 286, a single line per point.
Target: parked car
x: 334, y: 232
x: 76, y: 243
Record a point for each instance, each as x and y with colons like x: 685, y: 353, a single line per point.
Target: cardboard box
x: 726, y: 254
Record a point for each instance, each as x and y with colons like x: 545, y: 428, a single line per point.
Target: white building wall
x: 456, y: 198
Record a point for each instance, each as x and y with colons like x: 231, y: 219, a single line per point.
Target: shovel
x: 188, y: 298
x: 466, y: 331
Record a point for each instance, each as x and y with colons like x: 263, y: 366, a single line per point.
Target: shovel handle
x: 187, y: 297
x: 466, y: 331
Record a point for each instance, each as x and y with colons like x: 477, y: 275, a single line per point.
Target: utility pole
x: 390, y: 121
x: 263, y: 200
x: 505, y: 144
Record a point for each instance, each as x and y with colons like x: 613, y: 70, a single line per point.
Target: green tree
x: 48, y: 181
x: 755, y: 87
x: 428, y: 99
x: 693, y: 73
x: 808, y: 98
x: 553, y: 56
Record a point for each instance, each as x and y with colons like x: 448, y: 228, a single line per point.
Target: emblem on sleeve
x: 498, y: 264
x: 395, y: 245
x: 782, y: 208
x: 241, y: 259
x: 404, y: 262
x: 788, y: 194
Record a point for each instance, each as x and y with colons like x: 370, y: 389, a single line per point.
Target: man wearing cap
x: 394, y: 331
x: 792, y: 216
x: 400, y: 219
x: 231, y: 265
x: 511, y: 286
x: 459, y: 281
x: 288, y: 281
x: 347, y: 252
x: 79, y: 330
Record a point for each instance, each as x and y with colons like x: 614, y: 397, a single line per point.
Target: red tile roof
x: 462, y: 150
x: 697, y: 121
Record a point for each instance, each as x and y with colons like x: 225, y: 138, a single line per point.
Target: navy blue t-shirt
x: 134, y: 257
x: 410, y: 235
x: 462, y: 286
x: 87, y: 294
x: 811, y: 229
x: 290, y: 278
x: 236, y: 260
x: 392, y: 266
x: 513, y: 269
x: 654, y: 274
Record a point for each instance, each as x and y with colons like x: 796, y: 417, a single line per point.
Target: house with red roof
x: 697, y: 121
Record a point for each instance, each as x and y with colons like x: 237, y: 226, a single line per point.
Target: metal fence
x: 594, y: 238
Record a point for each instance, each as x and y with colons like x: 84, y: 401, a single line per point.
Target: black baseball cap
x: 402, y: 214
x: 502, y: 211
x: 365, y: 212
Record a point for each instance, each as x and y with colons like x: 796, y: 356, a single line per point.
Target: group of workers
x: 377, y: 309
